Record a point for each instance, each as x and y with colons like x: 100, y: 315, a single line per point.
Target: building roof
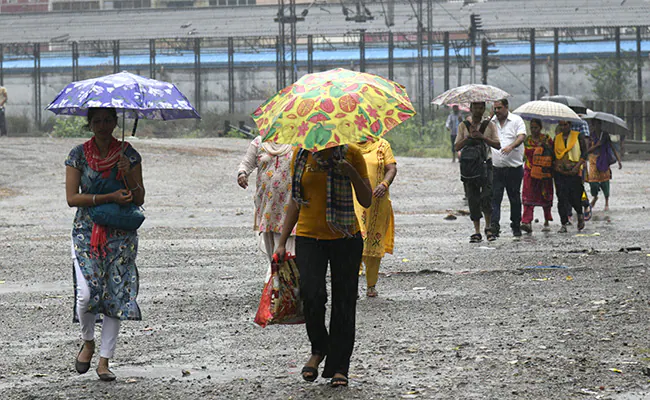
x: 322, y: 19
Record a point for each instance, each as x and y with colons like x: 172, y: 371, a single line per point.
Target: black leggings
x: 344, y: 257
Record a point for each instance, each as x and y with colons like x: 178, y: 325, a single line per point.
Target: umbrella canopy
x: 547, y: 111
x: 333, y: 108
x: 471, y: 93
x: 134, y: 95
x: 611, y: 123
x: 570, y: 101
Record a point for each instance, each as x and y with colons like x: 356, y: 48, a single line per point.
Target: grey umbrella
x: 573, y: 103
x: 611, y: 123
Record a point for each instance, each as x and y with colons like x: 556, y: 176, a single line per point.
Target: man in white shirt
x: 508, y: 170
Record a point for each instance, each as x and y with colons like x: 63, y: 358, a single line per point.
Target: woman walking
x: 570, y: 153
x: 272, y: 190
x: 602, y: 154
x: 327, y: 232
x: 538, y: 176
x: 105, y: 274
x: 377, y: 221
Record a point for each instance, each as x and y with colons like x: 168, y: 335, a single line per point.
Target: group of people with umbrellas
x: 318, y: 138
x: 578, y: 152
x: 323, y: 181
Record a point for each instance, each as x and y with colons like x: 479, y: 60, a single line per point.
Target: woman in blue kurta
x: 105, y: 274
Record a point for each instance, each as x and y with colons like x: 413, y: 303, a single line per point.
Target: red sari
x: 536, y: 192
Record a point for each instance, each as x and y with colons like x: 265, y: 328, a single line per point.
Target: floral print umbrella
x: 333, y: 108
x: 134, y: 95
x: 471, y: 93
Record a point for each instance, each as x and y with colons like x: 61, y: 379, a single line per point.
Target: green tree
x: 611, y: 77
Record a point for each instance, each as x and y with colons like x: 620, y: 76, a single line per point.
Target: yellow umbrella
x: 333, y: 108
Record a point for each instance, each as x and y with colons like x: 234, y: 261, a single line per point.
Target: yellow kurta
x: 377, y: 222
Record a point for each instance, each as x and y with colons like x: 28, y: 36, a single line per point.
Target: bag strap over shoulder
x: 482, y: 128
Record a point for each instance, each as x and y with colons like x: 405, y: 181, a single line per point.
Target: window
x: 180, y: 4
x: 75, y: 5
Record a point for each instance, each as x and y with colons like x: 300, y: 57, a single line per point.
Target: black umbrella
x: 573, y: 103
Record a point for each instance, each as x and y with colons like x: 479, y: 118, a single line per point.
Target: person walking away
x: 602, y: 154
x: 507, y: 162
x: 570, y: 152
x: 3, y: 118
x: 474, y: 140
x: 453, y: 120
x: 538, y: 176
x: 105, y: 275
x: 272, y: 190
x: 377, y: 222
x: 327, y: 232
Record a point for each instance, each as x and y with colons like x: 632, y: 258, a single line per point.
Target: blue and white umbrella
x: 133, y: 95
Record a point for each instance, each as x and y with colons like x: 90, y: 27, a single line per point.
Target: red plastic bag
x: 280, y: 302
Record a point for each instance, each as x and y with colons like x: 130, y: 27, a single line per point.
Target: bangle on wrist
x: 242, y: 173
x: 94, y: 197
x: 384, y: 184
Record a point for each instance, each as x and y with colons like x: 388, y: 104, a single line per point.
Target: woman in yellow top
x: 570, y: 153
x: 328, y: 232
x: 377, y: 221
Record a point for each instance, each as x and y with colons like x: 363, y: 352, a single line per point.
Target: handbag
x: 280, y: 302
x: 127, y: 217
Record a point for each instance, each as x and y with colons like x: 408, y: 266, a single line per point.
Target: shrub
x: 413, y: 139
x: 70, y: 127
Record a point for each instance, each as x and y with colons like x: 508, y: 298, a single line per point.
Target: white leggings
x: 110, y: 326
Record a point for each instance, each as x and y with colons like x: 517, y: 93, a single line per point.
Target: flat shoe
x: 106, y: 377
x: 81, y: 367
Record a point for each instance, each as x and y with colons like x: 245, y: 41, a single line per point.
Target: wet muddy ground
x: 561, y: 316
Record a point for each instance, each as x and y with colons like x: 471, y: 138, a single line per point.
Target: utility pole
x: 475, y: 25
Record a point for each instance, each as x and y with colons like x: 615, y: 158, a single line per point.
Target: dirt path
x: 452, y: 321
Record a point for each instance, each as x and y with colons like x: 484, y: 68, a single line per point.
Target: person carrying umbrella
x: 570, y: 153
x: 602, y: 154
x: 324, y: 114
x: 104, y: 181
x: 106, y: 277
x: 478, y: 136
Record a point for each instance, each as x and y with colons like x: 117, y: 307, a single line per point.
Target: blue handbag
x: 126, y: 217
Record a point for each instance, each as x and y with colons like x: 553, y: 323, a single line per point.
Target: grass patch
x: 412, y: 139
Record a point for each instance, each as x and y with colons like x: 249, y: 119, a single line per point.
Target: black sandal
x: 491, y: 237
x: 313, y: 373
x: 339, y: 381
x: 476, y: 238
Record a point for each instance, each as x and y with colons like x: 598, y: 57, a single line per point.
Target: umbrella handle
x: 135, y: 126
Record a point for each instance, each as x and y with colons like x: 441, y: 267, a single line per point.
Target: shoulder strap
x: 484, y: 125
x: 467, y: 124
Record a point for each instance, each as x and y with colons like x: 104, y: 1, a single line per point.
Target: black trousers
x: 507, y: 179
x: 343, y: 257
x: 568, y: 189
x: 479, y: 194
x: 3, y: 122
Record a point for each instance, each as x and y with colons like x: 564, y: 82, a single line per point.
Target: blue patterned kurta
x: 112, y: 279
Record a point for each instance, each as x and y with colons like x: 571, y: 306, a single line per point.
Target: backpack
x: 473, y: 157
x: 542, y: 163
